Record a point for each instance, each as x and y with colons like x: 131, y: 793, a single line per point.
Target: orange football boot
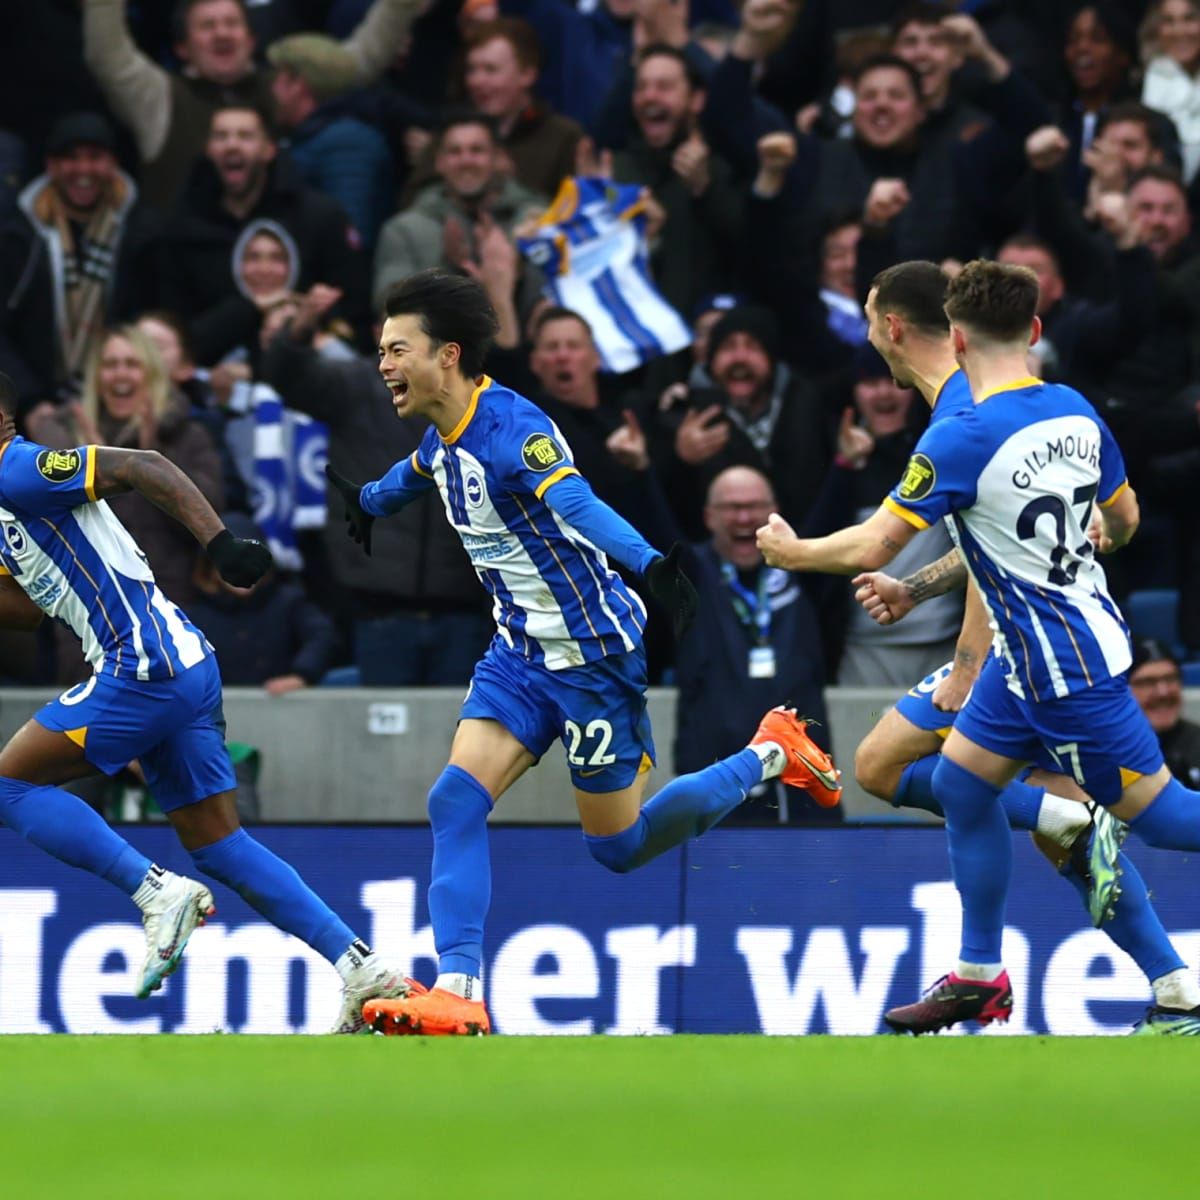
x: 807, y: 765
x: 436, y: 1013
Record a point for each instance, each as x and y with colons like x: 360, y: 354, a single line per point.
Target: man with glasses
x: 1158, y: 688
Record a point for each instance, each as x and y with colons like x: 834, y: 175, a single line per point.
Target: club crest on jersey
x: 541, y: 452
x: 59, y: 465
x: 473, y: 487
x: 15, y: 538
x: 919, y: 478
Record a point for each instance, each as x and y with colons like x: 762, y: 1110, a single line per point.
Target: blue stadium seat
x: 342, y: 677
x: 1154, y: 613
x: 1191, y: 674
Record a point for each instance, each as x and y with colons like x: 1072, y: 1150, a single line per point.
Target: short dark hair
x: 183, y: 10
x: 1134, y: 112
x: 915, y: 290
x: 877, y: 62
x: 997, y: 300
x: 1148, y: 650
x: 452, y: 308
x: 518, y: 33
x: 919, y: 12
x: 556, y: 312
x: 458, y: 115
x: 1163, y: 173
x: 666, y: 50
x: 230, y: 104
x: 1030, y: 241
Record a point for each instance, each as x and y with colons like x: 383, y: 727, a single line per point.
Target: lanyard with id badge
x: 754, y: 612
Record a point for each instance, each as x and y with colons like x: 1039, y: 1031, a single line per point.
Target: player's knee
x: 455, y: 800
x: 609, y: 853
x: 12, y: 791
x: 874, y: 772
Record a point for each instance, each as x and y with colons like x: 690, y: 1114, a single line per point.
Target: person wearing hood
x: 758, y: 413
x: 77, y: 255
x: 127, y: 403
x: 470, y: 211
x: 243, y: 179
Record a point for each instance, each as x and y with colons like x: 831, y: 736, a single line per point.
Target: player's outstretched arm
x: 240, y: 561
x: 363, y: 502
x: 888, y: 600
x: 17, y: 611
x: 864, y: 547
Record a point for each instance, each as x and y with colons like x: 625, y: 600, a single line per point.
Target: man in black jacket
x: 242, y: 178
x: 75, y: 257
x: 415, y: 606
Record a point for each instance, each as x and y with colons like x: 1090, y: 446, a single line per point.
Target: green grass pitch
x: 575, y: 1118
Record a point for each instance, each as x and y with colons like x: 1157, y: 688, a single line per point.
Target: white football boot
x: 373, y: 980
x: 173, y: 906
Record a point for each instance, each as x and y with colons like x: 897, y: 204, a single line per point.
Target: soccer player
x: 1019, y: 471
x: 567, y: 660
x: 155, y: 697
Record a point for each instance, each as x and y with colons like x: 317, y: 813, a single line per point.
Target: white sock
x: 1061, y: 820
x: 151, y: 886
x: 1176, y: 989
x: 772, y: 757
x: 469, y: 987
x: 354, y: 958
x: 983, y: 972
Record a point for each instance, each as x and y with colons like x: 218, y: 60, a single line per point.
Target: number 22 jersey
x: 1019, y: 473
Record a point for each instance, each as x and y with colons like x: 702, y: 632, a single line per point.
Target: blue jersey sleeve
x: 1113, y: 479
x: 941, y: 475
x: 572, y: 498
x: 531, y: 455
x: 409, y: 479
x: 42, y: 482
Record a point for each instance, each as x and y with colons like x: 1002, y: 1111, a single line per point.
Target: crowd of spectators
x: 200, y: 216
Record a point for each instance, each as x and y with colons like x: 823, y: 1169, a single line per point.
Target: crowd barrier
x: 789, y: 931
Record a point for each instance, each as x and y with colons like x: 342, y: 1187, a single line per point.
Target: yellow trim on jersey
x: 1113, y: 498
x: 1129, y: 777
x: 944, y: 733
x: 646, y: 764
x: 89, y: 478
x: 78, y: 736
x: 4, y: 570
x: 937, y: 392
x: 4, y: 448
x: 917, y: 522
x: 564, y: 206
x: 416, y: 466
x: 551, y: 480
x: 457, y: 432
x: 1015, y: 385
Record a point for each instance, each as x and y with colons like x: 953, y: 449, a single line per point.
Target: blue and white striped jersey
x: 1020, y: 472
x: 77, y: 562
x: 554, y: 598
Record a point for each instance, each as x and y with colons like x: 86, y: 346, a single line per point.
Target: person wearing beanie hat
x: 1157, y: 686
x: 79, y: 253
x: 755, y: 412
x: 334, y: 151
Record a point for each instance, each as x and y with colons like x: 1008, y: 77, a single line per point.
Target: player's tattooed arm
x: 970, y: 653
x: 17, y: 611
x: 945, y: 574
x: 161, y: 482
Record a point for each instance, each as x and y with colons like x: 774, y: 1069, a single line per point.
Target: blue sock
x: 72, y: 831
x: 274, y: 888
x: 1171, y: 821
x: 460, y: 888
x: 687, y: 807
x: 980, y: 857
x: 915, y: 789
x: 1022, y: 803
x: 1134, y: 925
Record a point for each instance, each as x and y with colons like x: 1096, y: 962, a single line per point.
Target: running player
x: 155, y: 696
x: 1019, y: 471
x: 567, y: 660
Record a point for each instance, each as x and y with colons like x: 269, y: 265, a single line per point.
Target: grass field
x: 215, y: 1117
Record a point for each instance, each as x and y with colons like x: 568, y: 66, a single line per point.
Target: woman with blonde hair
x: 128, y: 402
x: 1171, y: 34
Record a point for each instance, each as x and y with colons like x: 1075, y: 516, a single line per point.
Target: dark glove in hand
x: 673, y: 589
x: 358, y: 523
x: 240, y: 561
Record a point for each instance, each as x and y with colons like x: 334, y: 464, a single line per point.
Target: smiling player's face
x: 410, y: 364
x: 879, y: 336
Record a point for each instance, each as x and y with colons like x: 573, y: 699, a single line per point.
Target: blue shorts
x: 174, y: 727
x: 916, y: 706
x: 1099, y: 736
x: 597, y: 710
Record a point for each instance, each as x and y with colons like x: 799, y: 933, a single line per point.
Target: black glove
x: 240, y: 561
x: 673, y: 589
x: 358, y: 523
